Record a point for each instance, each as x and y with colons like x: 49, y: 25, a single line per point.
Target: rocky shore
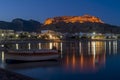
x: 7, y: 75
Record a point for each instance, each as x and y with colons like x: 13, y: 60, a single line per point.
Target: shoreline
x: 8, y: 75
x: 48, y: 41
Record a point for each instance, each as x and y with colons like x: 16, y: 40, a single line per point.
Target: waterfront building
x: 5, y: 34
x: 49, y: 34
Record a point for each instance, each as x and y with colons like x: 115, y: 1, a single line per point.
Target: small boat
x: 31, y: 55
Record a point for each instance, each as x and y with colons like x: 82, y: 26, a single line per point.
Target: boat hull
x: 31, y: 56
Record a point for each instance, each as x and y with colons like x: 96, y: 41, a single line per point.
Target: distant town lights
x: 94, y: 33
x: 29, y: 36
x: 50, y: 36
x: 2, y: 35
x: 17, y: 35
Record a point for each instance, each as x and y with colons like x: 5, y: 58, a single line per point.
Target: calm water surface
x: 79, y: 60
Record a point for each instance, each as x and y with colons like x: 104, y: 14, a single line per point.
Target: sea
x: 79, y: 60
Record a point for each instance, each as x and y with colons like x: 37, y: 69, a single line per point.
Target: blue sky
x: 107, y: 10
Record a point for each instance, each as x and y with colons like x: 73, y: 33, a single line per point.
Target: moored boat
x: 31, y: 55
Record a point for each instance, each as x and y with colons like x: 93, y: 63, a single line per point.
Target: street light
x: 29, y: 36
x: 17, y: 35
x: 94, y: 33
x: 2, y: 34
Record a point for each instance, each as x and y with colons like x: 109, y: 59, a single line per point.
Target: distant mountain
x: 21, y: 25
x: 73, y: 24
x: 70, y: 24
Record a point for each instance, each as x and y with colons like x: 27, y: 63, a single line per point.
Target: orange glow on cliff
x: 73, y: 19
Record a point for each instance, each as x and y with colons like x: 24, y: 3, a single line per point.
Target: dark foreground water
x: 79, y: 60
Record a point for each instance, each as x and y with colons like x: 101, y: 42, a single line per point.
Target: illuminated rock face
x: 73, y: 19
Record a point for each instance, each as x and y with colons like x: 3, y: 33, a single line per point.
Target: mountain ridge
x: 69, y: 24
x: 19, y: 24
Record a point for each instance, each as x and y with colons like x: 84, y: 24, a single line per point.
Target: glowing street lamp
x: 93, y: 36
x: 94, y: 33
x: 50, y: 36
x: 2, y: 35
x: 29, y: 36
x: 17, y: 35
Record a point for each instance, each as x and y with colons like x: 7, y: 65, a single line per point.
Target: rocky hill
x: 73, y: 24
x: 21, y: 25
x: 73, y: 19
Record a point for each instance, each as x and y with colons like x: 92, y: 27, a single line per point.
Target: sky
x: 107, y: 10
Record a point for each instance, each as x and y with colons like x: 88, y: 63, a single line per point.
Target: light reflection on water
x: 84, y: 56
x: 79, y: 57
